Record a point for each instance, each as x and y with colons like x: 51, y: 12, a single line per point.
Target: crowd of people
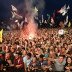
x: 48, y: 52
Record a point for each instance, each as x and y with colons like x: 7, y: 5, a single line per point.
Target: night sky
x: 50, y: 6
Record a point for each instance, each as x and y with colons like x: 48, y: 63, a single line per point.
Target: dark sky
x: 50, y: 6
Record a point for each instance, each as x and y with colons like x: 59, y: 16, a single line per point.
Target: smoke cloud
x: 31, y: 11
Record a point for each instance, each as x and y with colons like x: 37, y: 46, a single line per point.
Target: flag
x: 14, y: 8
x: 69, y: 25
x: 36, y: 10
x: 48, y: 16
x: 15, y: 15
x: 64, y: 10
x: 52, y: 20
x: 66, y: 21
x: 68, y: 7
x: 1, y: 32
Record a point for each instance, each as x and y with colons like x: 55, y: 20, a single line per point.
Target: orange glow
x: 29, y: 31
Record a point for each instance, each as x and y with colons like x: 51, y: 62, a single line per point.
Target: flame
x: 29, y: 31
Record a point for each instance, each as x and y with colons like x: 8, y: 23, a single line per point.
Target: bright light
x: 31, y: 36
x: 61, y: 32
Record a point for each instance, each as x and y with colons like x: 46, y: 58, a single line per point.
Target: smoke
x: 40, y: 4
x: 31, y: 11
x: 31, y: 4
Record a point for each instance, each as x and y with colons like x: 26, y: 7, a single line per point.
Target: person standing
x: 18, y: 63
x: 59, y: 64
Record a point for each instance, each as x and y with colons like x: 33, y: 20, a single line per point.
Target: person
x: 40, y: 63
x: 18, y: 63
x: 27, y: 61
x: 47, y: 43
x: 33, y: 65
x: 68, y: 65
x: 7, y: 63
x: 47, y: 66
x: 59, y: 64
x: 1, y: 62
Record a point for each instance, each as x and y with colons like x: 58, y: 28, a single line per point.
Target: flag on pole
x: 14, y: 8
x: 1, y: 32
x: 64, y: 10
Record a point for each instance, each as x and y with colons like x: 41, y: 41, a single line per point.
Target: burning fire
x: 29, y: 30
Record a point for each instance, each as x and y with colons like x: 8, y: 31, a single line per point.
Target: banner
x: 69, y: 24
x: 1, y: 32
